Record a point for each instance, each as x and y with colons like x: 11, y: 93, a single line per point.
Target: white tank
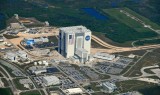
x: 16, y: 16
x: 35, y: 63
x: 46, y: 64
x: 44, y: 61
x: 40, y: 62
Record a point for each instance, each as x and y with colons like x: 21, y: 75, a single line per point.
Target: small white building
x: 41, y: 39
x: 37, y: 40
x: 131, y: 56
x: 11, y: 56
x: 105, y: 56
x: 109, y: 87
x: 50, y: 80
x: 44, y: 39
x: 72, y: 91
x: 22, y: 54
x: 39, y: 71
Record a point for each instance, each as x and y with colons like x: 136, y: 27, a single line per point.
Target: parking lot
x: 90, y: 73
x: 113, y: 67
x: 73, y: 73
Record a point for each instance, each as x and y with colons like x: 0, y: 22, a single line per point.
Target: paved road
x: 10, y: 81
x: 114, y: 49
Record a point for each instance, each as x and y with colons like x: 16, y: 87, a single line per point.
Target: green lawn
x: 133, y: 85
x: 6, y: 84
x: 70, y: 13
x: 146, y: 20
x: 115, y: 12
x: 34, y: 92
x: 147, y: 42
x: 18, y: 85
x: 5, y: 91
x: 149, y: 59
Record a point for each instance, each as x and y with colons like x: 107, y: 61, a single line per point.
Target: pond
x: 2, y: 21
x: 94, y: 13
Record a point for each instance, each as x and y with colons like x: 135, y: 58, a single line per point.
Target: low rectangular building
x: 22, y: 54
x: 73, y: 91
x: 11, y: 56
x: 105, y: 56
x: 50, y: 80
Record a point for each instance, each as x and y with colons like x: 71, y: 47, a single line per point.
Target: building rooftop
x: 73, y: 29
x: 74, y: 90
x: 11, y: 54
x: 104, y: 56
x: 50, y: 78
x: 21, y: 52
x: 109, y: 85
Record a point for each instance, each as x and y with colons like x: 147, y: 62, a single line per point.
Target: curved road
x: 114, y: 49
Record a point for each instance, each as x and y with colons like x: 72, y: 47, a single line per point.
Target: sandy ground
x: 115, y: 49
x: 109, y: 48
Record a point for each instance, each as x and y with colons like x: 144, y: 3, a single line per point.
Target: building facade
x: 74, y: 39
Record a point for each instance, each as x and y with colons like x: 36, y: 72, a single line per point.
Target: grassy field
x: 115, y: 12
x: 18, y: 85
x: 142, y: 32
x: 133, y: 85
x: 69, y: 13
x: 34, y: 92
x: 144, y: 19
x: 138, y: 53
x: 93, y: 86
x: 5, y: 91
x: 6, y: 84
x: 147, y: 42
x: 149, y: 59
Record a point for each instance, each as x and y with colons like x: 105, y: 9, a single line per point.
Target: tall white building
x: 73, y: 40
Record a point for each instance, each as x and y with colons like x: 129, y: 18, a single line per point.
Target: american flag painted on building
x: 71, y: 39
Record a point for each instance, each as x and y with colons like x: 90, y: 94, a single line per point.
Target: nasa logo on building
x: 87, y: 38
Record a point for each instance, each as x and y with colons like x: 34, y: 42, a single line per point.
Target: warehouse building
x: 73, y: 91
x: 104, y: 56
x: 50, y: 80
x: 75, y: 40
x: 22, y: 54
x: 11, y: 56
x: 31, y: 41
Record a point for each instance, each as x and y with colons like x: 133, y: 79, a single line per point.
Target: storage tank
x: 35, y: 63
x: 40, y: 62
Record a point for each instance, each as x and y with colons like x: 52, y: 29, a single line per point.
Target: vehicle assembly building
x: 75, y: 41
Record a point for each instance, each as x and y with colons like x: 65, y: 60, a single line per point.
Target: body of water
x: 94, y: 13
x: 2, y: 21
